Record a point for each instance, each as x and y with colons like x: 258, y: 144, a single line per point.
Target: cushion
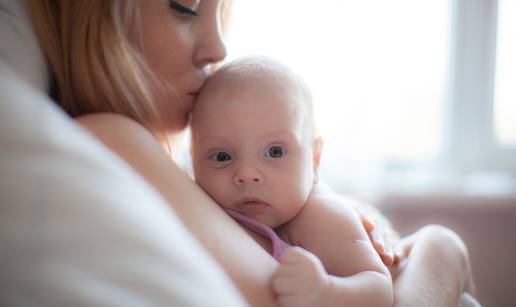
x: 78, y: 226
x: 20, y: 48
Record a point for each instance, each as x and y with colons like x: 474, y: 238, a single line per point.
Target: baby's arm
x: 329, y: 228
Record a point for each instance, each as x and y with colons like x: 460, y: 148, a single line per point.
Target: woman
x: 130, y: 71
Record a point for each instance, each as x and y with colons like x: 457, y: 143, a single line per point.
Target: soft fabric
x: 466, y: 300
x: 19, y: 47
x: 78, y: 226
x: 278, y: 245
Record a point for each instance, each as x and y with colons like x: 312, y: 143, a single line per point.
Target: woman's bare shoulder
x: 105, y: 119
x: 112, y: 128
x: 123, y: 135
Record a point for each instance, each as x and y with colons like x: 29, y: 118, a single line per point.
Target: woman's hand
x: 384, y: 238
x: 436, y: 270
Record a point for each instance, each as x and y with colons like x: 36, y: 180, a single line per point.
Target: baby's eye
x: 221, y: 156
x: 275, y: 152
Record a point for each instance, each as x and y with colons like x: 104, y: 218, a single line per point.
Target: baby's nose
x: 248, y: 175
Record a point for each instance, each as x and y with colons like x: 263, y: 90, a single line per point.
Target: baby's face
x: 250, y: 152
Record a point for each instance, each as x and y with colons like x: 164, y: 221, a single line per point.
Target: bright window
x: 505, y: 84
x: 377, y: 69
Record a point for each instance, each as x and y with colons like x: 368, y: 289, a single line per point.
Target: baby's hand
x: 300, y: 280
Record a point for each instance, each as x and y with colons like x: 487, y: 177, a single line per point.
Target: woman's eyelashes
x: 181, y: 9
x: 275, y: 151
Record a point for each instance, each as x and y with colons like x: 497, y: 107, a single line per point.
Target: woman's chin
x: 176, y: 129
x: 177, y: 125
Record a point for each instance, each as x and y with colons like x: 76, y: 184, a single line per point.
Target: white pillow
x: 78, y: 227
x: 20, y: 48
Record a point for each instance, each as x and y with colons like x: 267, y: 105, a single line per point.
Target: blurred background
x: 416, y: 101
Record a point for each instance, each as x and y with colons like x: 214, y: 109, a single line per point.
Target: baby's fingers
x: 377, y: 241
x: 291, y: 301
x: 293, y: 255
x: 386, y: 253
x: 367, y: 222
x: 388, y: 256
x: 282, y: 284
x: 398, y: 255
x: 297, y: 256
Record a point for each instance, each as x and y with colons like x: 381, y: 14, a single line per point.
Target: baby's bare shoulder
x: 324, y: 217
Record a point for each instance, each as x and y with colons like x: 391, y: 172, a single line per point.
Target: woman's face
x: 179, y: 40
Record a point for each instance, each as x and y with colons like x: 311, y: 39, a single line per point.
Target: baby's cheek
x: 208, y: 184
x: 306, y: 182
x: 297, y: 182
x: 218, y: 189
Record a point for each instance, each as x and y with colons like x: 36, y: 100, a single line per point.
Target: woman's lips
x: 191, y: 98
x: 251, y: 205
x: 195, y: 93
x: 192, y: 95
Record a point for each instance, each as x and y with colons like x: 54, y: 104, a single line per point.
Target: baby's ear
x: 317, y: 147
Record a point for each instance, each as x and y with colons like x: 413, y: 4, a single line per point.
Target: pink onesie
x: 278, y: 245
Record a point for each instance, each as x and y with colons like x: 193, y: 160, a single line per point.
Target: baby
x: 255, y: 150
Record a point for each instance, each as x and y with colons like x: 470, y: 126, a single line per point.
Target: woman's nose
x: 248, y: 175
x: 211, y: 47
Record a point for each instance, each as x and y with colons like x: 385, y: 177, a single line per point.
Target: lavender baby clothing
x: 278, y: 245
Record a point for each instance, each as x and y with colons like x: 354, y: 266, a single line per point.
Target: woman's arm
x: 436, y: 272
x: 381, y: 233
x: 245, y: 261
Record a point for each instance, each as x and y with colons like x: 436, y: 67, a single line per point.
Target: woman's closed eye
x: 182, y: 9
x: 275, y: 152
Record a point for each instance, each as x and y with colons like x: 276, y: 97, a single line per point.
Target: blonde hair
x: 95, y: 67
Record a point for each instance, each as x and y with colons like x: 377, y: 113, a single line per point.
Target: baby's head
x: 254, y: 142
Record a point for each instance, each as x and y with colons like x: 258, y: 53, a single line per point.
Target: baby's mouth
x: 251, y: 205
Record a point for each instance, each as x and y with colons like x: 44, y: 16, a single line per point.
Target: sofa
x: 487, y: 225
